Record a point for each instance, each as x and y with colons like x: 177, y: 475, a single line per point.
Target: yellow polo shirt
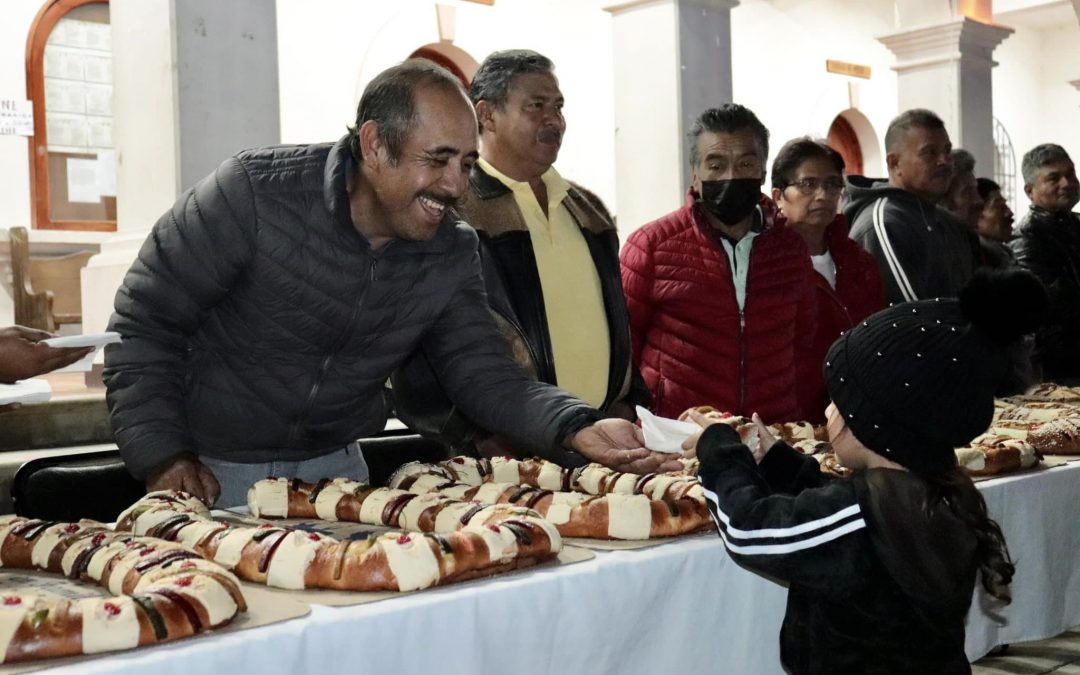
x: 577, y: 323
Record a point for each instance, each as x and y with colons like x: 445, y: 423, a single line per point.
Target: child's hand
x: 690, y: 445
x: 765, y: 439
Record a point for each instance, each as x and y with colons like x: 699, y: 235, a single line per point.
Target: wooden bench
x: 47, y: 291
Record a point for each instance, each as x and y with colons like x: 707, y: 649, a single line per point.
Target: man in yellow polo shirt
x: 550, y: 256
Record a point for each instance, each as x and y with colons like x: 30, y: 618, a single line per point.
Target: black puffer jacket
x: 258, y: 324
x: 1049, y: 245
x: 878, y: 584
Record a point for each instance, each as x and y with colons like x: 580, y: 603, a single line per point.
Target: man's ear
x: 485, y: 115
x: 777, y: 193
x: 370, y: 145
x: 1028, y: 187
x: 892, y: 161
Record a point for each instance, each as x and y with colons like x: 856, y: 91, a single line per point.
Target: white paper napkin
x: 97, y: 340
x: 25, y: 391
x: 663, y: 434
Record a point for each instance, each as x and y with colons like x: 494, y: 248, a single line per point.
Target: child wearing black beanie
x: 881, y: 566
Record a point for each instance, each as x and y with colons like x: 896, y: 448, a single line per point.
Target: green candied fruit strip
x: 38, y: 618
x: 158, y: 623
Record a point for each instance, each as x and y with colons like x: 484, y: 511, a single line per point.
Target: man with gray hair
x: 921, y: 250
x: 722, y: 301
x: 963, y: 201
x: 550, y: 255
x: 1048, y: 244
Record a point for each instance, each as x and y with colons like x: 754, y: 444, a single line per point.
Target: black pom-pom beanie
x: 917, y: 380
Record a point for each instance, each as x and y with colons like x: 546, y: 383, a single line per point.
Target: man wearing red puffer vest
x: 722, y: 305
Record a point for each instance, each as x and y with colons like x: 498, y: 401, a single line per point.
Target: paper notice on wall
x: 82, y: 180
x: 16, y: 117
x: 106, y: 173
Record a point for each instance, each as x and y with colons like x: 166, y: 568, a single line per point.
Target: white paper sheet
x: 25, y: 391
x: 82, y: 181
x: 84, y: 364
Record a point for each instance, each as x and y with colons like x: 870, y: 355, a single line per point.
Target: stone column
x: 194, y: 81
x: 946, y: 67
x: 672, y: 61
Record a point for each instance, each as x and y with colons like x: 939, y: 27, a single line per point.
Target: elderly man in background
x: 995, y: 225
x: 550, y: 254
x: 963, y: 201
x: 921, y: 251
x: 722, y: 302
x: 1048, y: 244
x: 268, y: 307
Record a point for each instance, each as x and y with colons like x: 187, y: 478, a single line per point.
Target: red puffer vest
x: 690, y: 341
x: 857, y: 295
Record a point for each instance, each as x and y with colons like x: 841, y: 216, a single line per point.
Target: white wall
x: 14, y: 150
x: 779, y: 49
x: 1032, y: 95
x: 331, y: 49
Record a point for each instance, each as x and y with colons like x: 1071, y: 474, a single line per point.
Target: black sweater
x: 876, y: 584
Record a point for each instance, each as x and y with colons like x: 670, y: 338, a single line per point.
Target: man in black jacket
x: 267, y: 309
x: 922, y: 251
x: 550, y: 254
x: 1049, y: 245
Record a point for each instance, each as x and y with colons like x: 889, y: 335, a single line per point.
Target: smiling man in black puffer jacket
x: 268, y: 307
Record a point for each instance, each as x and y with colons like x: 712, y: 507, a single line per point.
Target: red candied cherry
x: 98, y: 538
x: 185, y: 581
x: 111, y: 609
x: 459, y: 460
x: 314, y: 537
x: 494, y: 528
x: 264, y: 526
x: 73, y: 527
x: 12, y: 600
x: 148, y: 550
x: 404, y: 539
x: 187, y: 565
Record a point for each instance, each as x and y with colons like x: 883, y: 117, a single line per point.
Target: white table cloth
x: 681, y: 606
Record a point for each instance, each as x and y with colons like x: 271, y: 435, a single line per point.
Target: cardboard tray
x: 264, y: 608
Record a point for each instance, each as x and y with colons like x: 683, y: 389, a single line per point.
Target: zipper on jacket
x: 324, y: 367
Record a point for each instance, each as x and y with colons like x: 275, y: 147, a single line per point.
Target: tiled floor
x: 1059, y: 655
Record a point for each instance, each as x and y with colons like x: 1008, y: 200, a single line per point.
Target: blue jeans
x: 235, y: 478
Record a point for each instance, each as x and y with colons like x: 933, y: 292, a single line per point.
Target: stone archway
x: 449, y: 56
x: 852, y: 135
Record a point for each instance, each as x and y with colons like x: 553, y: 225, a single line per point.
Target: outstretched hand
x: 24, y: 355
x: 186, y: 474
x: 619, y: 444
x: 758, y: 448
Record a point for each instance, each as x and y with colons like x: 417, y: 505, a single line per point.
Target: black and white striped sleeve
x: 891, y: 235
x: 808, y: 537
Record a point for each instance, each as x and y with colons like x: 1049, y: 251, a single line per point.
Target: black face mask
x: 731, y: 201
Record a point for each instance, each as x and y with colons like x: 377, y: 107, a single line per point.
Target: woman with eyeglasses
x: 806, y: 185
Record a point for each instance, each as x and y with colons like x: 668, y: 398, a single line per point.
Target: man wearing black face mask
x: 722, y: 305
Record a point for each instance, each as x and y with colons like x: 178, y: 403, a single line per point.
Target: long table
x: 681, y: 606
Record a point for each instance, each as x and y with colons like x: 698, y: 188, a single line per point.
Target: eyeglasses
x: 809, y: 186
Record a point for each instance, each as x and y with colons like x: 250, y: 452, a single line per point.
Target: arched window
x: 1004, y: 164
x: 69, y: 79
